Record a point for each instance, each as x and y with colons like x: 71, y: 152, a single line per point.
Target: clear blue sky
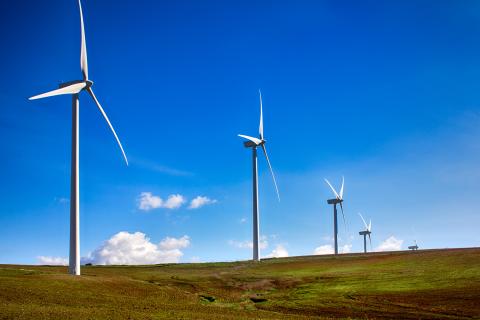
x: 383, y: 92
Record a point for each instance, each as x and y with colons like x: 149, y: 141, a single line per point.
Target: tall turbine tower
x: 254, y: 143
x: 337, y: 200
x: 365, y: 233
x: 74, y: 88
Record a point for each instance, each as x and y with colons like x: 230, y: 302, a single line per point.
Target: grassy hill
x: 428, y: 284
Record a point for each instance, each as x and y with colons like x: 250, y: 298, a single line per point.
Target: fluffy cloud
x: 52, y: 261
x: 278, y: 252
x: 391, y: 244
x: 147, y: 201
x: 325, y: 249
x: 174, y: 201
x: 328, y: 249
x: 173, y: 243
x: 249, y: 244
x: 200, y: 201
x: 135, y: 248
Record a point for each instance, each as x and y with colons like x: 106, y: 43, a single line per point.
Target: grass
x: 429, y: 284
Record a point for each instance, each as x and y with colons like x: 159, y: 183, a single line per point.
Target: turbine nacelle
x: 88, y: 83
x: 334, y: 201
x: 251, y: 144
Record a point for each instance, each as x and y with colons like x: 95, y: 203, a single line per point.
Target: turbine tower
x: 415, y: 247
x: 74, y: 88
x: 337, y: 200
x: 254, y: 143
x: 365, y: 233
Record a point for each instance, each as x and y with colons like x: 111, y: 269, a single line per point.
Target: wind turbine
x: 415, y: 247
x: 365, y: 233
x: 74, y: 88
x: 337, y: 200
x: 254, y: 143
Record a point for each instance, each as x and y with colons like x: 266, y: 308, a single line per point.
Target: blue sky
x: 385, y: 93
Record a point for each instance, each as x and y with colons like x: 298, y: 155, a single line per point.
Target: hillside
x: 427, y: 284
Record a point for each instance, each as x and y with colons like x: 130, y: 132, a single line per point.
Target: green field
x: 430, y: 284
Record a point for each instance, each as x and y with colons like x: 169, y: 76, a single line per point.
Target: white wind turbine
x: 254, y: 143
x: 338, y: 200
x: 74, y: 88
x: 365, y: 233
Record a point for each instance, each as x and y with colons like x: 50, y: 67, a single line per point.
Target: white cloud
x: 278, y: 252
x: 328, y: 249
x: 249, y: 244
x: 346, y: 248
x: 135, y: 248
x: 174, y: 201
x: 391, y: 244
x: 325, y: 249
x: 201, y: 201
x: 172, y: 243
x: 53, y: 261
x: 147, y: 201
x: 243, y: 220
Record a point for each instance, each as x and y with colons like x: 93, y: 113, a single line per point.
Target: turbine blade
x: 71, y: 89
x: 108, y: 121
x: 343, y: 215
x: 333, y: 189
x: 365, y: 224
x: 370, y: 225
x: 370, y: 238
x: 254, y: 140
x: 260, y: 127
x: 271, y: 170
x: 341, y: 189
x: 83, y: 48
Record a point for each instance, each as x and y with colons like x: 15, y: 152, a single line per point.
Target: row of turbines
x: 339, y: 200
x: 260, y: 142
x: 75, y: 87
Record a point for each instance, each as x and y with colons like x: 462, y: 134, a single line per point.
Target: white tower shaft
x: 255, y: 220
x: 335, y: 228
x: 74, y: 261
x: 365, y: 243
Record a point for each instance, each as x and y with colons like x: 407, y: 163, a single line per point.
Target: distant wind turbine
x: 415, y: 247
x: 74, y: 88
x: 337, y: 200
x: 254, y: 143
x: 365, y: 233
